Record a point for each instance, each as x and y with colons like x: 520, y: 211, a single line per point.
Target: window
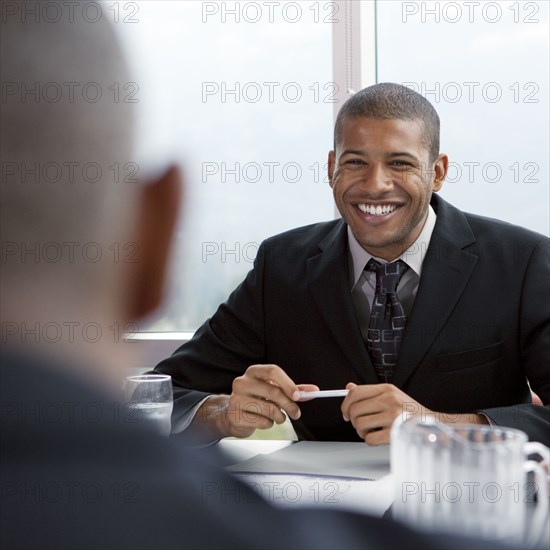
x: 484, y: 67
x: 240, y: 94
x: 243, y: 95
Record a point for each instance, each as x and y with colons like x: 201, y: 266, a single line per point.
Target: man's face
x: 382, y: 182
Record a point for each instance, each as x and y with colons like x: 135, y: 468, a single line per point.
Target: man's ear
x: 440, y: 171
x: 158, y: 210
x: 331, y: 164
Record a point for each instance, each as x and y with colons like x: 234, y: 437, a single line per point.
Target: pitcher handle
x: 538, y: 525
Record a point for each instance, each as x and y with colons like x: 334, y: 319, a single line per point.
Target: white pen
x: 323, y: 393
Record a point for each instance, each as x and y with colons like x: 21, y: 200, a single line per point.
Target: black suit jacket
x: 479, y: 328
x: 77, y: 473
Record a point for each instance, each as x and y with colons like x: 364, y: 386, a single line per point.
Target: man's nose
x: 377, y: 179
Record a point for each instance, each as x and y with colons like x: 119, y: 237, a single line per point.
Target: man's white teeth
x: 380, y: 210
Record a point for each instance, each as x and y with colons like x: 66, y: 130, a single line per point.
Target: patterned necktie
x: 387, y: 318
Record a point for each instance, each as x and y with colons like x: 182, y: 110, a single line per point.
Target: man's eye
x: 355, y: 162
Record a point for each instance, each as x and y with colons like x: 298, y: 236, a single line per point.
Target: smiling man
x: 381, y: 181
x: 412, y: 305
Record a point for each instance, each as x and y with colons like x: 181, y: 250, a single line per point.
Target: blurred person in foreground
x: 74, y: 473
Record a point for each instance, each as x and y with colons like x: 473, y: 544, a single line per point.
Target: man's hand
x: 258, y: 400
x: 371, y: 409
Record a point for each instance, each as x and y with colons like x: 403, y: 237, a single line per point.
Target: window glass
x: 485, y: 68
x: 240, y: 94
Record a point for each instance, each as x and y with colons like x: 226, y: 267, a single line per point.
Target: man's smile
x: 381, y: 209
x: 375, y: 214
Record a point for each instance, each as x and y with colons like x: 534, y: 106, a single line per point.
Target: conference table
x: 338, y: 475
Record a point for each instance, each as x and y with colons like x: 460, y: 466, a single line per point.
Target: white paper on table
x: 322, y: 458
x: 296, y: 491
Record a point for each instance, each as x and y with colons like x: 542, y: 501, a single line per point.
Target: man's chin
x: 383, y: 247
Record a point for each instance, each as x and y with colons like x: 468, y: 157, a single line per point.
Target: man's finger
x: 253, y: 384
x: 378, y: 437
x: 257, y: 413
x: 271, y: 393
x: 365, y: 407
x: 367, y: 423
x: 275, y: 375
x: 360, y: 393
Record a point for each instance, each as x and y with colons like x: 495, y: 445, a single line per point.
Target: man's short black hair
x: 391, y: 101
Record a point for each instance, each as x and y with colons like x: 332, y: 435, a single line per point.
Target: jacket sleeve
x: 535, y: 350
x: 222, y: 348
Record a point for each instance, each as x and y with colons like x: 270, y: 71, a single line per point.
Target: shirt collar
x: 413, y: 256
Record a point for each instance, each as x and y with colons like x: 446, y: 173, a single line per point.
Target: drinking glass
x: 149, y: 401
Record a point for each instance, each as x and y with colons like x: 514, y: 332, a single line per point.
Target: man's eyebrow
x: 387, y: 155
x: 352, y: 152
x: 401, y: 154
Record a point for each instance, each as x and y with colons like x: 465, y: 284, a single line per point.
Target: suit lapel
x: 445, y: 274
x: 328, y: 282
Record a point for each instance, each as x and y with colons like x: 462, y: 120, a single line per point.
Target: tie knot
x: 388, y: 274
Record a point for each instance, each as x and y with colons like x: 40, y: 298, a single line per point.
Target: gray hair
x: 65, y: 138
